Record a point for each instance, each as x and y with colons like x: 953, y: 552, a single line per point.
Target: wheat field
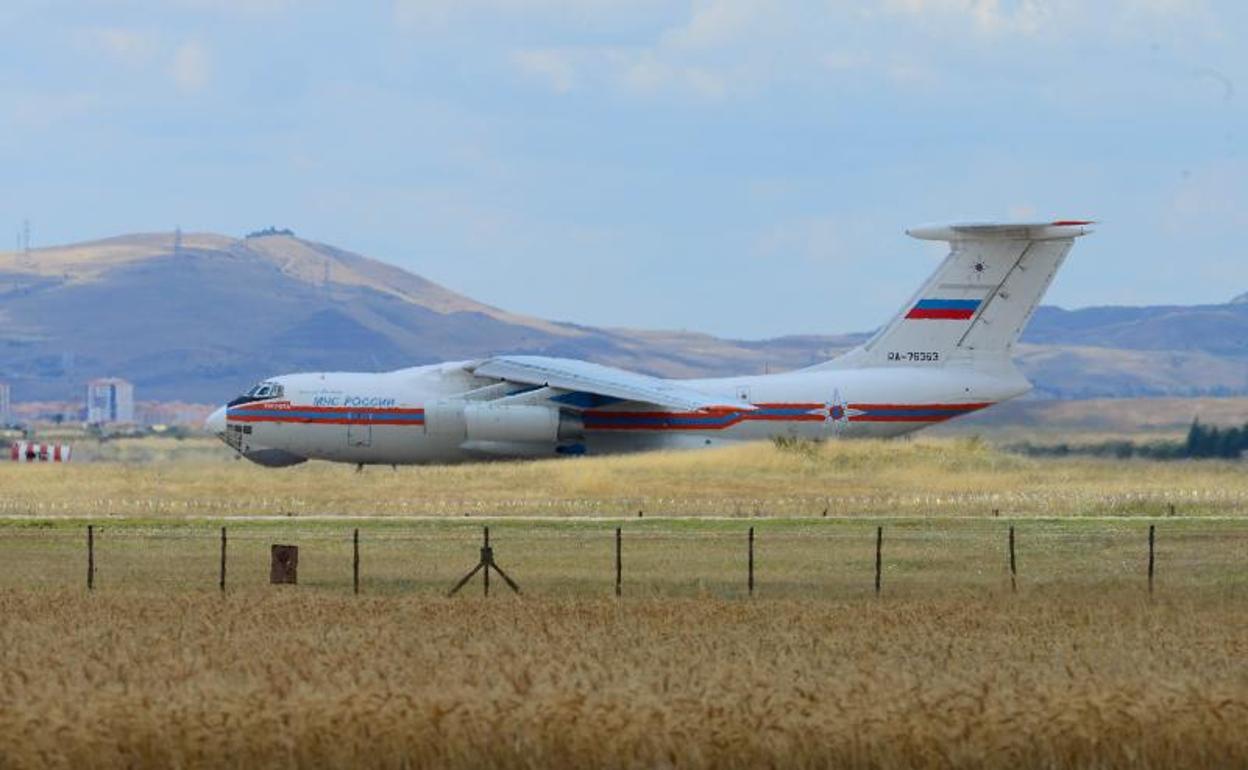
x: 285, y: 679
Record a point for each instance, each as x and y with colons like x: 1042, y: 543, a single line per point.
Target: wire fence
x: 775, y: 558
x: 1203, y: 500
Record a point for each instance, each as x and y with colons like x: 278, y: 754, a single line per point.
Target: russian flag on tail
x: 944, y: 309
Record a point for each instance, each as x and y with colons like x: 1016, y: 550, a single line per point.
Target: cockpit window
x: 265, y: 390
x: 261, y: 392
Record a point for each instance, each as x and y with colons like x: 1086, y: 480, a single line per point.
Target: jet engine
x: 502, y: 429
x: 521, y: 423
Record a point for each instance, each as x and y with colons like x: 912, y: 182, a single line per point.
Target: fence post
x: 879, y: 549
x: 751, y: 562
x: 90, y: 557
x: 355, y: 562
x: 222, y: 582
x: 619, y: 566
x: 1151, y: 539
x: 1013, y: 564
x: 283, y: 564
x: 485, y: 549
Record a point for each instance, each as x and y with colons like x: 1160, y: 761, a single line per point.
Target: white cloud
x: 725, y: 48
x: 901, y: 69
x: 248, y: 8
x: 721, y: 48
x: 649, y: 72
x: 132, y: 47
x: 188, y: 65
x: 635, y: 70
x: 812, y: 240
x: 718, y: 23
x: 191, y: 68
x: 39, y: 111
x: 438, y: 14
x: 1213, y: 197
x: 552, y: 66
x: 1025, y: 17
x: 845, y: 61
x: 1064, y: 19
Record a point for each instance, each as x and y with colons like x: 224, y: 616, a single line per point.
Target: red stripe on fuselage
x: 326, y: 420
x: 708, y: 420
x: 325, y: 415
x: 926, y: 407
x: 905, y: 418
x: 627, y: 420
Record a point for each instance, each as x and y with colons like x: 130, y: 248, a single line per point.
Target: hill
x: 198, y: 317
x: 1138, y: 351
x: 201, y: 318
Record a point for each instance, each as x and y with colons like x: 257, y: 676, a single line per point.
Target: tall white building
x: 6, y: 404
x: 109, y: 400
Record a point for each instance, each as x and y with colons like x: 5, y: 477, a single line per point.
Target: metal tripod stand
x: 484, y: 566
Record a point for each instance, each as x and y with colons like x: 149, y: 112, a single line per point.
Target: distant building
x: 6, y: 405
x: 109, y: 400
x: 171, y: 413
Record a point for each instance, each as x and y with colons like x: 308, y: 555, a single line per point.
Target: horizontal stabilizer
x: 1027, y: 231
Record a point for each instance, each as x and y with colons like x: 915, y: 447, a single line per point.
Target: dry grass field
x: 284, y: 678
x: 926, y: 476
x: 1085, y: 421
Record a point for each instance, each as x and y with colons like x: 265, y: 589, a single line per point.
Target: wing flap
x: 583, y: 377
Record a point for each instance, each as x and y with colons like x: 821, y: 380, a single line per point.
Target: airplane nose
x: 215, y: 424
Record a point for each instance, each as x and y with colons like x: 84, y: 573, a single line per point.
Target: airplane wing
x: 583, y: 377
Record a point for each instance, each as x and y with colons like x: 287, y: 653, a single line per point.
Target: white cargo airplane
x: 946, y: 353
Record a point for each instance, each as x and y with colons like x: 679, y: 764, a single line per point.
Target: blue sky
x: 738, y: 167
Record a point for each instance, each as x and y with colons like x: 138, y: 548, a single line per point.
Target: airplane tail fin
x: 976, y: 304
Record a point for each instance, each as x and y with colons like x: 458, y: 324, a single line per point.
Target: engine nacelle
x: 524, y: 423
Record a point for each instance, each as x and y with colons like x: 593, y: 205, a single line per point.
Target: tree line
x: 1212, y: 441
x: 1202, y: 442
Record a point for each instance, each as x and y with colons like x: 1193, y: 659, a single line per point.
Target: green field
x: 945, y: 505
x: 684, y: 557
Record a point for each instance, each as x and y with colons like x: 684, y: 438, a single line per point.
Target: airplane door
x: 360, y: 430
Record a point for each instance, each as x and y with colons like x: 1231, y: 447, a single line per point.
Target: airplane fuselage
x: 415, y: 415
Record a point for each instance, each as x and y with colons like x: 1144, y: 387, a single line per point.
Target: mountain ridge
x: 199, y: 316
